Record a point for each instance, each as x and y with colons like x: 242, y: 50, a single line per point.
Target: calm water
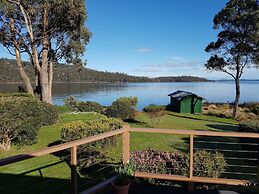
x: 148, y: 93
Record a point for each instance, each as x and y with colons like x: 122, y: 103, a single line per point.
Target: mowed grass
x: 53, y: 170
x: 164, y: 142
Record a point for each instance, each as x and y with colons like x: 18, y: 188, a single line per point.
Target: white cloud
x: 177, y: 58
x: 175, y: 66
x: 144, y: 50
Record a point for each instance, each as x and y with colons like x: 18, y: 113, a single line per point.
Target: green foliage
x: 125, y: 173
x: 21, y: 116
x: 123, y: 108
x: 82, y: 106
x: 20, y: 119
x: 49, y: 113
x: 92, y: 152
x: 205, y: 164
x: 15, y: 95
x: 209, y: 164
x: 90, y: 106
x: 71, y: 102
x: 154, y: 114
x: 236, y: 46
x: 249, y: 126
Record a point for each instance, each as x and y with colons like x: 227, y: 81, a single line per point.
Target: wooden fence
x: 125, y: 131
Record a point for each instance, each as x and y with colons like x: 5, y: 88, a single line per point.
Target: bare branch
x: 243, y: 66
x: 227, y: 72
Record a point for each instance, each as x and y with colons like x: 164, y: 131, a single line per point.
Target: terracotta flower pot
x: 117, y: 189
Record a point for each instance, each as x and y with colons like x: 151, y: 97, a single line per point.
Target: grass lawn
x: 50, y: 170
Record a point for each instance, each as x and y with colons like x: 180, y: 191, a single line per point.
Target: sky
x: 152, y: 37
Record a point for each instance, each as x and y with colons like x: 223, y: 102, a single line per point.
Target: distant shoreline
x: 87, y: 82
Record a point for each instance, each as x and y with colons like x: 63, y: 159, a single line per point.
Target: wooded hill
x: 69, y: 73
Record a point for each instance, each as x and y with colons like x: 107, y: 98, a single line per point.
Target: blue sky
x: 152, y: 37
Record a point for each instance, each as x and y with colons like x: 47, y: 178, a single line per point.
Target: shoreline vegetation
x: 71, y: 74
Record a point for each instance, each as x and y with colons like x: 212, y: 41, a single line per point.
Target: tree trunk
x: 237, y: 98
x: 23, y: 74
x: 44, y: 74
x: 50, y: 79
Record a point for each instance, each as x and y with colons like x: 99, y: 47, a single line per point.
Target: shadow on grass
x: 36, y: 182
x: 194, y: 118
x: 64, y: 155
x: 223, y: 127
x: 137, y: 123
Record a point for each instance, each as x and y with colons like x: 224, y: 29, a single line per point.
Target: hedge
x: 92, y: 152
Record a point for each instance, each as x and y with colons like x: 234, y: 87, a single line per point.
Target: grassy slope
x: 164, y: 142
x: 139, y: 141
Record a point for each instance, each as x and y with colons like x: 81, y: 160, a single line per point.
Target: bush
x: 205, y: 164
x: 154, y: 114
x: 20, y: 119
x: 92, y: 152
x: 208, y: 164
x: 123, y: 108
x: 81, y: 106
x: 50, y: 113
x: 252, y: 107
x: 249, y: 126
x: 89, y: 106
x: 21, y: 116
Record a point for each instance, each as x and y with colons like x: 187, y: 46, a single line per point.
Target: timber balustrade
x: 125, y: 132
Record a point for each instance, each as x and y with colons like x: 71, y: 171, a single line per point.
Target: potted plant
x: 125, y: 175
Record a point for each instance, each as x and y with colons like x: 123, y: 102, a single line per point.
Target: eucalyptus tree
x: 44, y: 32
x: 237, y: 45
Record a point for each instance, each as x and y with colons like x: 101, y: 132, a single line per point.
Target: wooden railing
x: 125, y: 131
x: 192, y: 134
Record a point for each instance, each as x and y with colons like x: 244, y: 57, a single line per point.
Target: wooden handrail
x: 60, y: 147
x: 196, y: 132
x: 193, y: 179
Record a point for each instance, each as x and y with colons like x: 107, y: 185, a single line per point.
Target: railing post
x: 191, y: 184
x: 126, y: 145
x: 73, y: 152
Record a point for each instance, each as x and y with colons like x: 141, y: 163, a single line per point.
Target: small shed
x: 185, y: 102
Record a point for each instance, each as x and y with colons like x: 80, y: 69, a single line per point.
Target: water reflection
x: 148, y: 93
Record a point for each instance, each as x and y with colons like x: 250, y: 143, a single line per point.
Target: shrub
x: 82, y: 106
x: 209, y: 164
x: 92, y: 152
x: 252, y: 107
x: 89, y: 106
x: 71, y: 102
x: 154, y: 114
x: 123, y: 108
x: 20, y: 119
x: 50, y: 113
x: 249, y: 126
x: 205, y: 164
x: 21, y: 115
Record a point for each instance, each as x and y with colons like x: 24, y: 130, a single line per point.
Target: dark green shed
x: 185, y: 102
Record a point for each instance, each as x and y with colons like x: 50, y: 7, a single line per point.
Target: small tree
x: 237, y: 44
x: 154, y: 114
